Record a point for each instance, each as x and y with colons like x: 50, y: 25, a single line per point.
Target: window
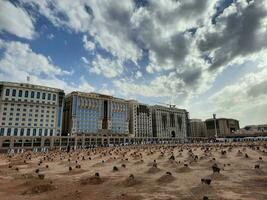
x: 34, y: 132
x: 21, y: 132
x: 7, y: 92
x: 2, y: 130
x: 14, y: 92
x: 20, y: 93
x: 54, y: 97
x: 40, y: 132
x: 43, y: 96
x: 28, y: 132
x: 26, y: 94
x: 51, y: 132
x: 32, y: 94
x: 15, y: 132
x: 8, y: 131
x: 38, y: 95
x: 46, y: 131
x: 49, y: 96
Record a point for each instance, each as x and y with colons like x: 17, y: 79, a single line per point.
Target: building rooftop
x: 93, y: 95
x: 29, y: 85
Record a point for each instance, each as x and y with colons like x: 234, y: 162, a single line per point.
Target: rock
x: 215, y: 168
x: 41, y: 176
x: 115, y: 169
x: 206, y: 181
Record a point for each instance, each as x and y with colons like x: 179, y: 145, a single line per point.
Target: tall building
x: 30, y: 110
x: 197, y: 128
x: 95, y: 114
x: 224, y: 127
x: 140, y: 119
x: 169, y: 122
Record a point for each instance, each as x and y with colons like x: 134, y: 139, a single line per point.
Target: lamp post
x: 215, y: 125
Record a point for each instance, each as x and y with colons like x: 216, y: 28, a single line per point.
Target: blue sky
x: 205, y: 56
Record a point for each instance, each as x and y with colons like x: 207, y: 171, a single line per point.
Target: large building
x: 224, y: 127
x: 197, y: 128
x: 95, y: 114
x: 140, y: 119
x: 169, y: 122
x: 253, y: 129
x: 30, y: 110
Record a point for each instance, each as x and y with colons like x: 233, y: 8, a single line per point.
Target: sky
x: 206, y: 56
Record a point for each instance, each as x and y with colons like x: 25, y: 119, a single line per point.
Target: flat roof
x: 30, y: 86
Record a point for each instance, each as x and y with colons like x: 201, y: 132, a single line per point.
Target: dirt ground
x: 138, y: 172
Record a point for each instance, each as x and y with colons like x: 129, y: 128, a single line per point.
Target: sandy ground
x: 138, y: 172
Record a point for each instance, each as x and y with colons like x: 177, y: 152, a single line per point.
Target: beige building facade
x: 30, y: 110
x: 224, y: 127
x: 197, y: 128
x: 140, y: 119
x: 169, y: 122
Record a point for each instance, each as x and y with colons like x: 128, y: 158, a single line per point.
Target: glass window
x: 26, y: 93
x: 2, y: 131
x: 46, y: 131
x: 34, y: 132
x: 54, y: 97
x: 8, y: 131
x: 15, y: 132
x: 7, y: 92
x: 20, y: 93
x: 32, y: 94
x: 43, y: 96
x: 49, y: 96
x: 38, y: 95
x: 28, y: 132
x: 14, y: 92
x: 21, y: 132
x: 40, y: 132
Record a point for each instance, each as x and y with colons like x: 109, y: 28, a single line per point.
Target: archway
x: 173, y: 134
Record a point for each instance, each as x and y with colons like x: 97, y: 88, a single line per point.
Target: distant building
x: 197, y: 128
x: 224, y: 127
x: 95, y: 114
x: 30, y: 110
x: 254, y: 129
x: 140, y: 119
x: 169, y: 122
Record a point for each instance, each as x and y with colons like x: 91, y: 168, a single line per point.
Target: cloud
x: 244, y: 100
x: 88, y: 45
x: 186, y: 45
x: 18, y: 57
x: 19, y: 61
x: 106, y: 67
x: 239, y: 31
x: 16, y: 20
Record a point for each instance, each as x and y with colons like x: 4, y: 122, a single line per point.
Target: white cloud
x: 88, y: 45
x: 16, y: 20
x: 51, y: 36
x: 18, y: 57
x: 138, y: 75
x: 19, y: 61
x: 106, y: 67
x: 85, y: 60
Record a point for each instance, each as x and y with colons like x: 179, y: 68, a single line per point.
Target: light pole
x: 214, y: 117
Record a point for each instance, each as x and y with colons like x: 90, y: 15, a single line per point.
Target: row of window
x: 29, y: 124
x: 25, y: 132
x: 31, y: 94
x: 27, y: 105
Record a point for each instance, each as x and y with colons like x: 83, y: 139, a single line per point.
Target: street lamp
x: 214, y: 118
